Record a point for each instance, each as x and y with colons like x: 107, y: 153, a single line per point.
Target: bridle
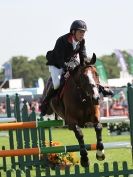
x: 84, y: 96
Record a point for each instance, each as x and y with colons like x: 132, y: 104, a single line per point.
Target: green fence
x: 125, y: 172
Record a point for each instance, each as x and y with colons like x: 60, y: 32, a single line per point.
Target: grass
x: 67, y: 137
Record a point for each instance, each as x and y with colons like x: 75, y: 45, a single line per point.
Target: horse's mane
x: 80, y: 68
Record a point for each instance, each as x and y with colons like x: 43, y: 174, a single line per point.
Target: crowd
x: 2, y: 108
x: 30, y: 105
x: 109, y: 106
x: 116, y: 106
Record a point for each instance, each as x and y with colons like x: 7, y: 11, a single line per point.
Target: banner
x: 130, y: 52
x: 101, y: 71
x: 121, y: 60
x: 8, y: 70
x: 130, y: 60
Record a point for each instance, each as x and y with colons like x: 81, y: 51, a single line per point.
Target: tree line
x: 32, y: 69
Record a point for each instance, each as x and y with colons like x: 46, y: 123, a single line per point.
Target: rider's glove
x: 71, y: 65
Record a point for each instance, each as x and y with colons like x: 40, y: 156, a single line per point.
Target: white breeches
x: 56, y: 76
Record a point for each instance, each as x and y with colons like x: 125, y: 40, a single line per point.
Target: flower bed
x: 121, y: 128
x: 61, y: 159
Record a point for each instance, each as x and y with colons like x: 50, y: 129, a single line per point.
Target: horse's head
x: 87, y: 79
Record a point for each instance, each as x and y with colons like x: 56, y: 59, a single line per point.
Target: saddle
x: 49, y: 86
x: 49, y: 92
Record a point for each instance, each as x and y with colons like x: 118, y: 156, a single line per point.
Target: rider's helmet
x: 78, y: 25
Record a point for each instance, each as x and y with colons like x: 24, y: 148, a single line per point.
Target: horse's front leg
x: 83, y: 152
x: 100, y: 148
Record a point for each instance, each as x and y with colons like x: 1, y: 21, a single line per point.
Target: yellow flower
x: 63, y: 159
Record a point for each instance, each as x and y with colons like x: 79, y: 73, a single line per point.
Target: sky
x: 31, y: 27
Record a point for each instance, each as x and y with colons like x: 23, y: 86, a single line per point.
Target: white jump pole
x: 113, y: 119
x: 117, y: 145
x: 5, y: 120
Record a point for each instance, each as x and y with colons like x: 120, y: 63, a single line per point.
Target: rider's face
x: 79, y: 35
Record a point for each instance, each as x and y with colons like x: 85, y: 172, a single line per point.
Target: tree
x: 1, y: 74
x: 111, y: 65
x: 29, y: 70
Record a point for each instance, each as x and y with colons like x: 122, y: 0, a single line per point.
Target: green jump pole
x: 50, y: 123
x: 61, y: 149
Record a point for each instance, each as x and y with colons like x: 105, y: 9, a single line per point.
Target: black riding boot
x: 44, y: 104
x: 105, y: 91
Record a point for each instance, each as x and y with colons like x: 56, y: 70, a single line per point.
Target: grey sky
x: 31, y: 27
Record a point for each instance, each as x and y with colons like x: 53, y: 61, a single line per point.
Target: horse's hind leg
x: 83, y: 152
x: 100, y: 148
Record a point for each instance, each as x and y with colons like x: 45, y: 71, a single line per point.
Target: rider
x: 68, y: 46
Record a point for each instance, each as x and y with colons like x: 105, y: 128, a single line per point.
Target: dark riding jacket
x: 63, y: 51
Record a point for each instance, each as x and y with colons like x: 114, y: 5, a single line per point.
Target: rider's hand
x: 71, y: 65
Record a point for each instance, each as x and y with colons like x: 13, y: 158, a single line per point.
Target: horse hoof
x: 84, y: 162
x: 100, y: 158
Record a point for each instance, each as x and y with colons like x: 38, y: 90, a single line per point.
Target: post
x: 130, y: 111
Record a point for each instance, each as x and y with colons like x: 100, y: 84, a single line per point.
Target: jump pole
x: 59, y: 149
x: 32, y: 124
x: 113, y: 119
x: 7, y: 119
x: 43, y: 150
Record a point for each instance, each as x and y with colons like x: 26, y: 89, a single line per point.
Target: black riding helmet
x: 78, y: 25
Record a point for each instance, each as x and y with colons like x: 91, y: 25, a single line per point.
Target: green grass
x: 67, y: 137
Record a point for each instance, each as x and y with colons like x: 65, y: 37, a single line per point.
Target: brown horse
x: 80, y: 105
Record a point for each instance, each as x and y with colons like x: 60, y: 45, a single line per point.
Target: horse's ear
x: 93, y: 59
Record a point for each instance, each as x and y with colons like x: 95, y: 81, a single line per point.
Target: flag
x: 130, y: 52
x: 7, y: 70
x: 101, y: 71
x: 130, y: 60
x: 121, y: 60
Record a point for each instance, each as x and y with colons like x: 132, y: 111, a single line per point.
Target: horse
x: 79, y: 104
